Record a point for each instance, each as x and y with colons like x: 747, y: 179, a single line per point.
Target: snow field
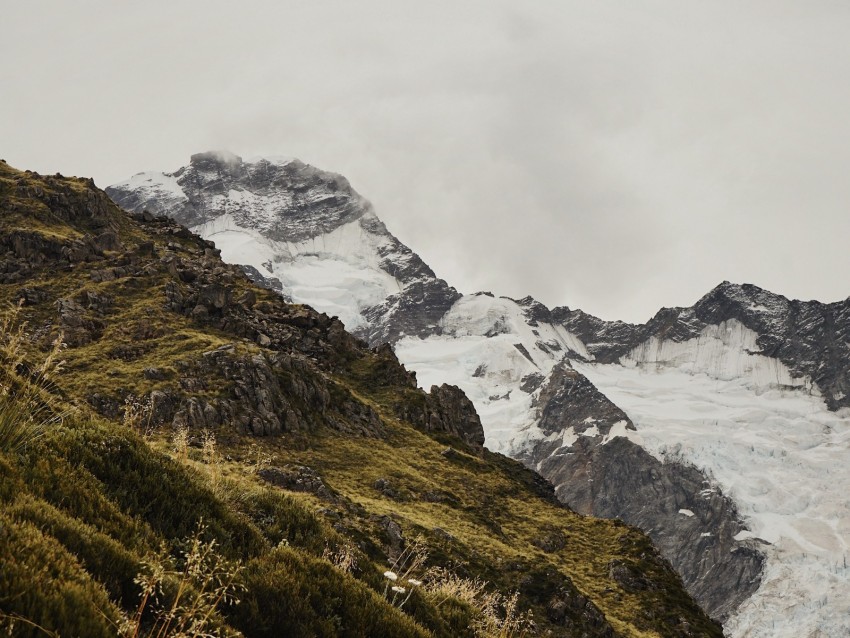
x: 337, y: 273
x: 153, y: 186
x: 772, y: 446
x: 490, y: 369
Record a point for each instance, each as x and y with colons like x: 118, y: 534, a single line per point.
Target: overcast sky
x: 613, y: 156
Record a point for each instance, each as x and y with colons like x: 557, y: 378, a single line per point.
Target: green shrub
x: 282, y: 519
x: 290, y: 594
x: 104, y: 558
x: 169, y: 497
x: 75, y: 491
x: 42, y: 582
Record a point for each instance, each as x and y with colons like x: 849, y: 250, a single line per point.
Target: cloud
x: 607, y: 155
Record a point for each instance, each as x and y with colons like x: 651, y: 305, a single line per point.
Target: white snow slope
x: 477, y: 351
x: 337, y: 273
x: 771, y: 444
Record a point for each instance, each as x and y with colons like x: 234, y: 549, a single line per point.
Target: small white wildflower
x: 391, y: 575
x: 399, y: 590
x: 414, y: 582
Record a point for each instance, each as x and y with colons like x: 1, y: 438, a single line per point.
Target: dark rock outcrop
x: 570, y: 400
x: 451, y: 411
x: 266, y: 395
x: 298, y: 478
x: 446, y: 409
x: 612, y: 477
x: 416, y: 311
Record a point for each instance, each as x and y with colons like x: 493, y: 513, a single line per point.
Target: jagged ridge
x: 810, y: 337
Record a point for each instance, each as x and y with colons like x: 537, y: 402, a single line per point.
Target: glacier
x: 769, y: 442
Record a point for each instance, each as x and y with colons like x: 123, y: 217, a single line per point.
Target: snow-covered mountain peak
x: 282, y: 200
x: 810, y: 338
x: 303, y: 231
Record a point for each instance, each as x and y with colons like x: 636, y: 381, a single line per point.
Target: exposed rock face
x: 446, y: 409
x: 416, y: 311
x: 597, y: 472
x: 24, y: 251
x: 451, y: 411
x: 272, y: 283
x: 570, y: 400
x: 693, y: 524
x: 264, y: 397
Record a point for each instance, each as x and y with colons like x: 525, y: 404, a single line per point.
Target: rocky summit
x: 183, y: 450
x: 720, y: 429
x: 304, y: 232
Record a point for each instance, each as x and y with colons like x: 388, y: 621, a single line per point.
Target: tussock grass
x: 27, y: 406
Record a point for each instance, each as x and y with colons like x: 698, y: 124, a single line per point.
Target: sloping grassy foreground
x: 229, y: 464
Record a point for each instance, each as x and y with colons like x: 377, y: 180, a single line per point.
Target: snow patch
x: 157, y: 188
x: 444, y: 359
x: 337, y: 273
x: 621, y: 428
x: 686, y: 512
x: 591, y: 431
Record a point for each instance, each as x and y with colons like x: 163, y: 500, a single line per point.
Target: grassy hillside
x: 211, y: 460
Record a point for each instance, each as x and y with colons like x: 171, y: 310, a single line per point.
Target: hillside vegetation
x: 209, y: 460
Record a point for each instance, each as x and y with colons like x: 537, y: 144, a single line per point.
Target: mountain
x: 207, y: 447
x: 328, y: 250
x: 709, y: 427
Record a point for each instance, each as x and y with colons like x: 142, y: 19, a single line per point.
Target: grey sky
x: 613, y: 156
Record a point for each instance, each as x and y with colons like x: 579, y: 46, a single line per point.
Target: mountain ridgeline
x: 213, y: 449
x: 707, y: 426
x: 811, y: 338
